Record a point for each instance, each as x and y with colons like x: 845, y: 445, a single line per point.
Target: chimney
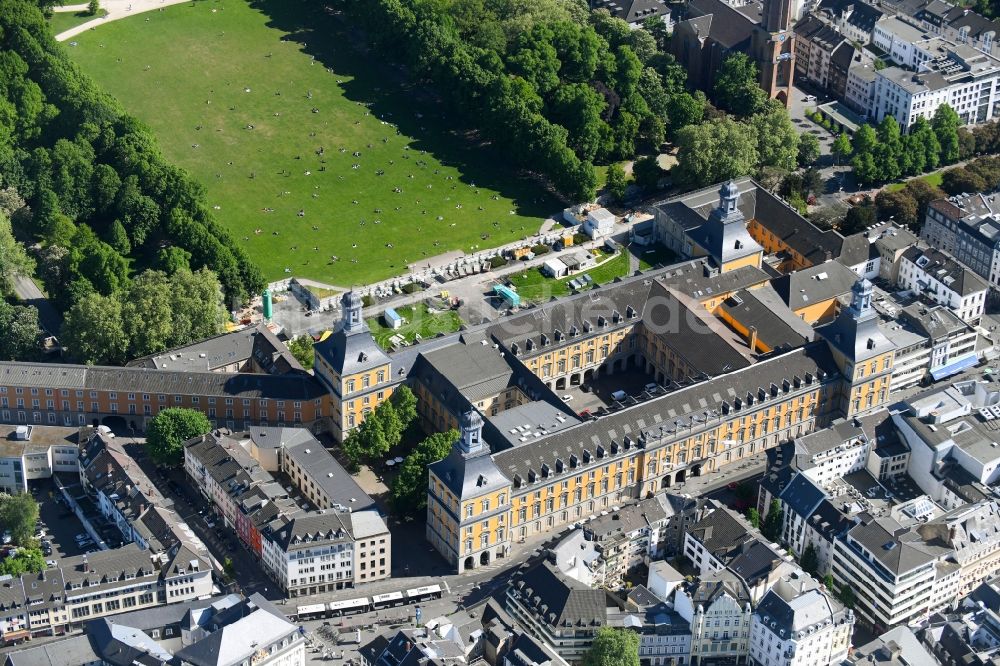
x: 753, y: 339
x: 111, y: 469
x: 409, y: 646
x: 86, y: 564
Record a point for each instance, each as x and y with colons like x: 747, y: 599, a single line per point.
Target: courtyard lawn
x: 317, y: 158
x: 417, y: 319
x: 63, y: 21
x: 931, y: 179
x: 533, y: 285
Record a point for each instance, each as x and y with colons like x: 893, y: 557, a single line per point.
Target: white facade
x: 719, y: 629
x: 966, y: 82
x: 799, y: 624
x: 907, y: 45
x: 33, y: 452
x: 859, y: 93
x: 922, y: 277
x: 600, y: 223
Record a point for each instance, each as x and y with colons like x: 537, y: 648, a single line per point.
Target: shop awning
x: 954, y: 367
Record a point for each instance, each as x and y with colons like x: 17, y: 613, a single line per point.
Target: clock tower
x: 773, y: 48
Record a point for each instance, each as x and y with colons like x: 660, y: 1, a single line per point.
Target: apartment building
x: 719, y: 611
x: 906, y: 44
x: 799, y: 623
x: 936, y: 276
x: 558, y: 610
x: 106, y: 582
x: 320, y: 533
x: 29, y: 452
x: 220, y: 631
x: 629, y: 536
x: 966, y: 227
x: 128, y: 498
x: 962, y: 77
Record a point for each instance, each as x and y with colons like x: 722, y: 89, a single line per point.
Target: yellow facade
x: 749, y: 260
x: 820, y: 311
x: 773, y: 245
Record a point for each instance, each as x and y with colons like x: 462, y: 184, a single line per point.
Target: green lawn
x: 416, y: 319
x: 201, y: 74
x: 931, y: 179
x: 63, y: 21
x: 320, y: 292
x: 533, y: 285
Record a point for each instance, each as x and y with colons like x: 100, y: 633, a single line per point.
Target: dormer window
x: 559, y: 335
x: 630, y: 312
x: 602, y: 321
x: 616, y: 317
x: 545, y: 340
x: 515, y: 349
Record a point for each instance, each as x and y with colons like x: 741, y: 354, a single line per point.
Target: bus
x: 388, y: 600
x: 419, y: 594
x: 349, y: 607
x: 310, y: 612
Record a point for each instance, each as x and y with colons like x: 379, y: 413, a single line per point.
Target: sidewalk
x: 117, y: 9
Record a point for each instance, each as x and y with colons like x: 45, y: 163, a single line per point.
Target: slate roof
x: 469, y: 475
x: 856, y: 336
x: 730, y: 27
x: 633, y: 11
x: 237, y: 641
x: 907, y: 552
x: 815, y: 284
x: 943, y: 268
x: 662, y: 413
x: 776, y: 325
x: 863, y: 16
x: 168, y: 382
x: 74, y: 651
x: 206, y: 355
x: 557, y: 599
x: 797, y: 603
x: 802, y: 496
x: 325, y: 473
x: 716, y: 584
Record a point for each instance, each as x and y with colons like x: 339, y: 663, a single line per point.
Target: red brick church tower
x: 773, y: 48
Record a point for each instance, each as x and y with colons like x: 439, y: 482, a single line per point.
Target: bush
x: 412, y: 288
x: 498, y: 262
x: 541, y: 248
x: 367, y: 300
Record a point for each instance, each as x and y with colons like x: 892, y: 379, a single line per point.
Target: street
x: 48, y: 317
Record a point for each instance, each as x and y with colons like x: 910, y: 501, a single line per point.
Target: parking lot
x: 597, y: 393
x: 61, y: 524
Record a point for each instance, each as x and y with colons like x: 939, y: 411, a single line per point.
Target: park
x: 322, y: 162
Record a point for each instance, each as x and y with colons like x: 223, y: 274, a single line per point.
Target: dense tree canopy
x: 94, y: 178
x: 20, y: 332
x: 168, y: 430
x: 153, y: 312
x: 736, y: 87
x: 613, y: 647
x: 884, y: 154
x: 409, y: 489
x: 555, y: 86
x: 18, y: 514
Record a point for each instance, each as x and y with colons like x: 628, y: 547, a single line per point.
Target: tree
x: 92, y: 331
x: 18, y: 514
x: 647, y: 172
x: 118, y: 238
x: 828, y: 582
x: 777, y: 138
x: 405, y: 403
x: 715, y: 151
x: 808, y: 149
x: 771, y: 528
x: 302, y: 349
x: 168, y: 430
x: 21, y: 332
x: 613, y: 647
x: 753, y: 515
x: 841, y: 148
x: 945, y: 124
x: 960, y: 180
x: 736, y: 88
x: 847, y: 596
x: 858, y: 218
x: 409, y: 489
x: 684, y: 109
x: 14, y: 260
x: 615, y: 183
x: 923, y: 193
x: 93, y: 7
x: 27, y: 560
x: 898, y: 205
x: 809, y: 560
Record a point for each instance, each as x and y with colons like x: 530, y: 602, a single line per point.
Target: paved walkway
x: 117, y: 9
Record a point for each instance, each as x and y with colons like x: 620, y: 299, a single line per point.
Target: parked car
x: 619, y: 395
x: 567, y: 398
x: 651, y: 387
x: 80, y: 537
x: 50, y: 563
x: 809, y: 98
